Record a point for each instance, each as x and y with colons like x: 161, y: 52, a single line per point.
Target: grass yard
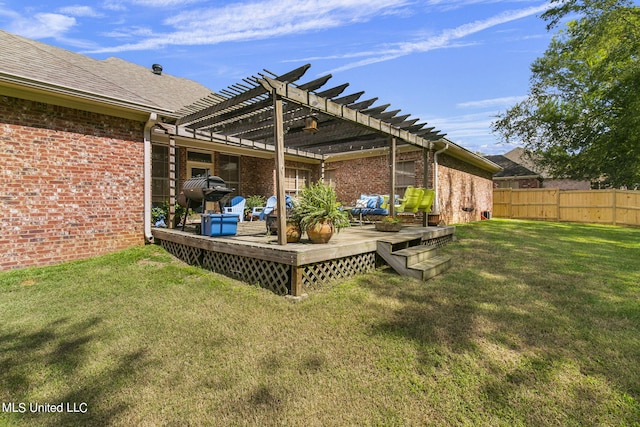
x: 535, y: 324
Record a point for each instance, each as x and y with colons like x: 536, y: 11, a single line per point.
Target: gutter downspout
x: 436, y: 205
x: 153, y: 119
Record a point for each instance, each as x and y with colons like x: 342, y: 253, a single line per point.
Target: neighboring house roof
x: 510, y: 168
x: 29, y: 62
x: 520, y: 156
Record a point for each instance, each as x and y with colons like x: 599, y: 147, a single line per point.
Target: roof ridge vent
x: 157, y: 69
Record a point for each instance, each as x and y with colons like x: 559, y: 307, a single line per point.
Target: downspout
x: 153, y: 119
x: 436, y: 207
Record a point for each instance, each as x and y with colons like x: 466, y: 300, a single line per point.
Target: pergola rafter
x: 274, y: 112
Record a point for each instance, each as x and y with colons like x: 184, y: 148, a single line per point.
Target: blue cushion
x: 376, y: 211
x: 369, y: 211
x: 372, y: 201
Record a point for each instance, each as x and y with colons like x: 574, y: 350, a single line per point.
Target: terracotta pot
x: 321, y: 232
x: 294, y: 232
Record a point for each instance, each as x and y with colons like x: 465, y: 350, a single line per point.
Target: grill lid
x: 210, y: 189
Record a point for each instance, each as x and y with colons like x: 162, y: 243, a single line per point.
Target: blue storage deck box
x: 219, y: 224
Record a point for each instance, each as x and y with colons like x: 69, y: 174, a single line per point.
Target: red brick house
x: 88, y: 146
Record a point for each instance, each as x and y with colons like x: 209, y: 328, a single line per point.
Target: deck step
x: 429, y: 268
x: 419, y: 261
x: 416, y: 254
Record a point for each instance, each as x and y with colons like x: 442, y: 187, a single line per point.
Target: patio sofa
x: 370, y: 207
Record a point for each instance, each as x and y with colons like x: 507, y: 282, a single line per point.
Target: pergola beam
x: 342, y: 112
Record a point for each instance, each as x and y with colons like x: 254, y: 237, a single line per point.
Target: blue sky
x: 452, y: 63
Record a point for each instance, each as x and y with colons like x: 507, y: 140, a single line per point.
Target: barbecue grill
x: 200, y: 190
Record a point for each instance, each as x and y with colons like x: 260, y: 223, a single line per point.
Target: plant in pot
x: 319, y: 212
x: 294, y: 230
x: 389, y: 223
x: 251, y: 202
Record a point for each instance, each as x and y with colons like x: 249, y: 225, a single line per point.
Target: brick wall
x: 566, y: 184
x: 464, y: 190
x: 71, y: 183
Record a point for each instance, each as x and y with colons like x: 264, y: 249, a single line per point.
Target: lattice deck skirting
x: 314, y: 275
x: 255, y: 260
x: 439, y: 242
x: 188, y: 254
x: 267, y: 274
x: 272, y: 275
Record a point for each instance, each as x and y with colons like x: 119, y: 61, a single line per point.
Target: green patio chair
x: 427, y: 201
x: 411, y: 200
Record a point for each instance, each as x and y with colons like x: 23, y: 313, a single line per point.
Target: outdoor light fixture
x: 310, y: 125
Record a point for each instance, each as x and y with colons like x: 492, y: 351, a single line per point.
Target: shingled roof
x: 510, y: 168
x: 26, y: 61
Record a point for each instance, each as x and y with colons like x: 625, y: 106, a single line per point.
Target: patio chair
x: 256, y: 212
x: 272, y: 202
x: 237, y: 207
x: 427, y: 201
x: 411, y: 200
x: 268, y: 208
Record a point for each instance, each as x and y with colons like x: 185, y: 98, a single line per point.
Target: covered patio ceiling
x: 245, y: 111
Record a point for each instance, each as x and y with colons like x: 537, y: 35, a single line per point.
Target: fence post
x: 615, y: 196
x: 558, y: 204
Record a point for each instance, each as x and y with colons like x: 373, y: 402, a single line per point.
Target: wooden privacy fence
x: 617, y: 207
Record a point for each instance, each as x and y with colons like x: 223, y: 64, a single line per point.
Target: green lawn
x: 535, y: 324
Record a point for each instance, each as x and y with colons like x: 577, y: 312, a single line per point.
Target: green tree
x: 581, y: 118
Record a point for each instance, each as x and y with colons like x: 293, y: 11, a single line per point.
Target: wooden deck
x: 255, y: 257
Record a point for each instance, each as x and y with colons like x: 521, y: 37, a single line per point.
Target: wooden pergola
x: 271, y: 110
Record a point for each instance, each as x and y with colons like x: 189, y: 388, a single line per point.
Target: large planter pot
x: 294, y: 232
x: 388, y: 226
x: 433, y: 220
x: 321, y: 232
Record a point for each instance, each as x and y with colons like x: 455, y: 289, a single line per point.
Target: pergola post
x: 278, y: 134
x: 172, y: 182
x: 425, y: 181
x: 392, y: 176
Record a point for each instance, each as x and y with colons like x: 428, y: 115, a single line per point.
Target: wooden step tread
x: 430, y: 263
x: 395, y: 238
x: 414, y: 250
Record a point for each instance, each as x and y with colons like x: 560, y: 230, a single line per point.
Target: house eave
x: 515, y: 177
x: 467, y: 156
x: 40, y: 91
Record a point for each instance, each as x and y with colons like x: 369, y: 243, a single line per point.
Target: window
x: 295, y: 180
x: 330, y: 177
x: 405, y: 175
x: 159, y: 174
x: 199, y: 164
x: 230, y: 172
x: 195, y: 156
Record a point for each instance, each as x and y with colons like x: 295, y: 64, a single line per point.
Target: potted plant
x: 319, y: 213
x: 294, y: 230
x: 389, y: 223
x: 252, y: 202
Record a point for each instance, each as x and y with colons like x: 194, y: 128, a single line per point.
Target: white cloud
x: 256, y: 20
x: 446, y: 39
x: 80, y: 11
x: 506, y: 101
x: 42, y: 25
x: 163, y: 3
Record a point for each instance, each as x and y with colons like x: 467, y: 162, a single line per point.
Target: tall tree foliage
x: 581, y: 118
